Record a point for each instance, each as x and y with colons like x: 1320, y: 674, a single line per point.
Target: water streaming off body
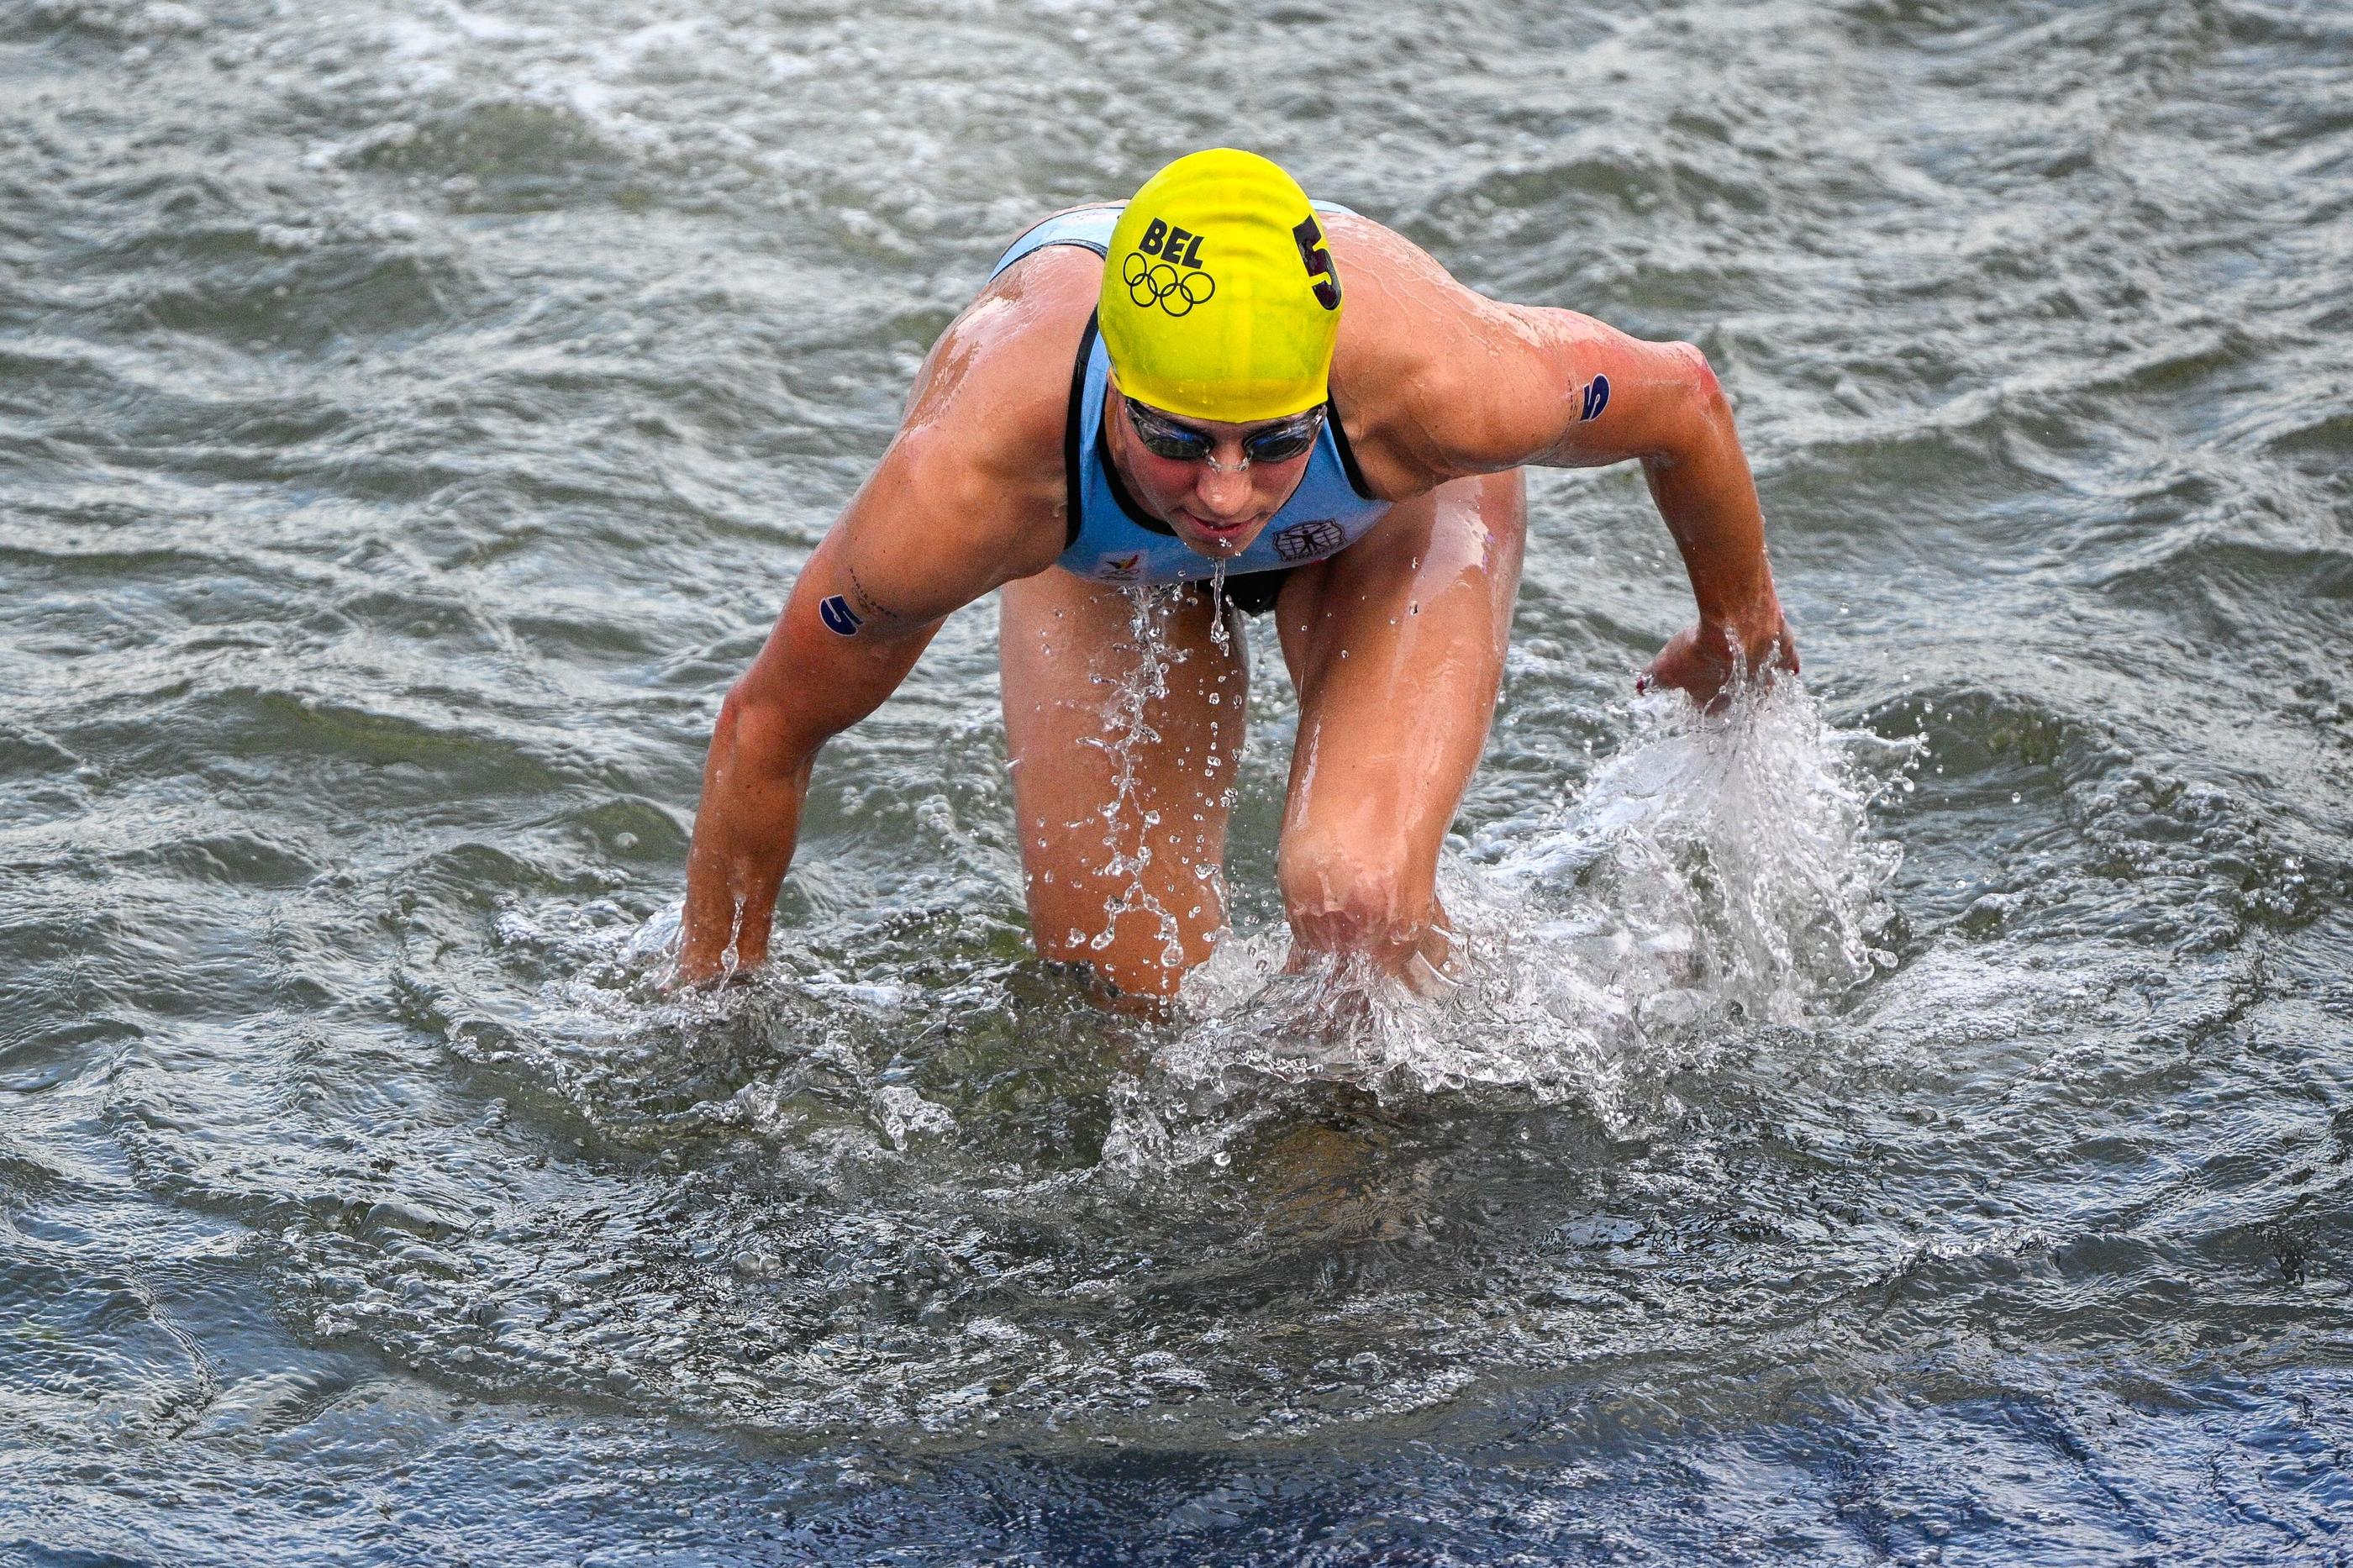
x: 1902, y: 1118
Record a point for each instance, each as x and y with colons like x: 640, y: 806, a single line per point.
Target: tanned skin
x: 1396, y: 644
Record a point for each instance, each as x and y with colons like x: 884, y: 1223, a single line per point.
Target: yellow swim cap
x: 1219, y: 301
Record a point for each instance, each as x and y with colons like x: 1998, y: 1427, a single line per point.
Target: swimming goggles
x: 1276, y: 443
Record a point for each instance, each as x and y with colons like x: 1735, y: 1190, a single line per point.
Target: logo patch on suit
x: 1315, y: 537
x: 838, y: 617
x: 1120, y: 568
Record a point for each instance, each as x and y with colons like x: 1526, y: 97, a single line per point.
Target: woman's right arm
x: 967, y: 497
x: 808, y: 684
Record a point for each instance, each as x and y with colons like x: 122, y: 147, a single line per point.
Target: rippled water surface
x: 1904, y: 1121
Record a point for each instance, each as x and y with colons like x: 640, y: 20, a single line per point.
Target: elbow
x: 1698, y: 377
x: 756, y: 733
x: 1697, y: 415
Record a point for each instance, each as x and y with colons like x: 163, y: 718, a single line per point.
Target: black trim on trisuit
x: 1348, y: 453
x: 1072, y: 484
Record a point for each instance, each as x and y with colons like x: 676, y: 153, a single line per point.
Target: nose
x: 1224, y: 491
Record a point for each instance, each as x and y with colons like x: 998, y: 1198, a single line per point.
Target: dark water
x: 1908, y: 1121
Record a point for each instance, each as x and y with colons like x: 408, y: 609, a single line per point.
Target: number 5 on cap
x: 1318, y: 261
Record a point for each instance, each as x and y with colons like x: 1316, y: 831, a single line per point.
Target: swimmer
x: 1222, y: 379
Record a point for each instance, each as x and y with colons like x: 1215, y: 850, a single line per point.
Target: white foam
x: 1719, y: 871
x: 906, y: 1114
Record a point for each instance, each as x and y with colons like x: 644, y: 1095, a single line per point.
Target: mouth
x: 1222, y: 534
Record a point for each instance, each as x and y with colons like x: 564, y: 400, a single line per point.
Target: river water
x: 1906, y: 1120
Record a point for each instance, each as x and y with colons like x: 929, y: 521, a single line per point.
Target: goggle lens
x: 1165, y: 438
x: 1279, y: 443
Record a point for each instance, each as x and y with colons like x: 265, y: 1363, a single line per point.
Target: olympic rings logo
x: 1157, y: 283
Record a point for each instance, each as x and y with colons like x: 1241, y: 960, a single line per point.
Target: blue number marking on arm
x: 838, y: 617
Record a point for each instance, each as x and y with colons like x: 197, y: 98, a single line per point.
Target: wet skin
x: 1396, y: 648
x: 1395, y: 645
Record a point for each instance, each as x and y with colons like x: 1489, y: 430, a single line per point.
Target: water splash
x: 1719, y: 871
x: 1127, y: 734
x: 1718, y: 867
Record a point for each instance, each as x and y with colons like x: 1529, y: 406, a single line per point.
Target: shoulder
x: 995, y: 389
x: 982, y: 434
x: 1421, y: 353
